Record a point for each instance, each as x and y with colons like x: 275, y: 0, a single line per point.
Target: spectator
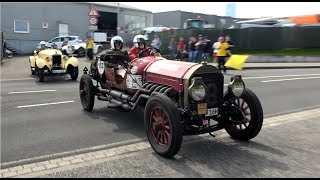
x: 207, y: 47
x: 156, y: 43
x: 192, y: 49
x: 215, y: 50
x: 222, y: 53
x: 90, y: 48
x: 231, y: 45
x: 199, y: 47
x: 181, y: 49
x: 172, y: 47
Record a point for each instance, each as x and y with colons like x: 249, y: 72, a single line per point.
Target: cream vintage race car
x: 53, y: 62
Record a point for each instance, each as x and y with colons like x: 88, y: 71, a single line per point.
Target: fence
x: 262, y: 38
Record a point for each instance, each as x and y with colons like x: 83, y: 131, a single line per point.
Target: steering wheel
x: 142, y: 51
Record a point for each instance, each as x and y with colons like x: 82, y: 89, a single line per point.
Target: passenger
x: 54, y: 46
x: 139, y: 45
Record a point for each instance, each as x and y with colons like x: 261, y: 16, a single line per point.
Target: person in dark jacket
x: 192, y: 49
x: 207, y: 47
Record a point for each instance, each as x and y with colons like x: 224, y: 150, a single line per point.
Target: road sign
x: 93, y: 12
x: 93, y: 21
x: 93, y: 28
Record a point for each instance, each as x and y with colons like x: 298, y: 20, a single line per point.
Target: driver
x: 140, y: 44
x: 42, y: 47
x: 116, y: 49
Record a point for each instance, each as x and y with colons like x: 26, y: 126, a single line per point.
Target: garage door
x: 63, y: 30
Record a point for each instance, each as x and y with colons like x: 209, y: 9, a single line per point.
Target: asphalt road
x: 30, y: 127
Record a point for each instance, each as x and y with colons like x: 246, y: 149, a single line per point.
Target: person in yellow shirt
x: 222, y: 53
x: 90, y: 48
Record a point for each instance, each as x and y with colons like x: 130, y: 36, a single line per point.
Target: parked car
x: 179, y: 98
x: 80, y: 49
x: 60, y: 41
x: 53, y: 62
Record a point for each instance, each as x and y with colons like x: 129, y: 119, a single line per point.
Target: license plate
x: 59, y: 71
x: 212, y: 112
x: 202, y: 108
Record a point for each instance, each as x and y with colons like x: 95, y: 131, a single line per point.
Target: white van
x: 149, y: 30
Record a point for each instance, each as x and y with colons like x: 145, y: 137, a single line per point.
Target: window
x: 56, y: 40
x: 21, y: 26
x: 134, y: 23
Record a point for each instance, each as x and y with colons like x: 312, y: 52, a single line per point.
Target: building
x: 24, y: 25
x: 177, y: 19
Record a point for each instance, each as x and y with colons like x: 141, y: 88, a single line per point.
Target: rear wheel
x: 163, y: 125
x: 86, y: 92
x: 81, y: 52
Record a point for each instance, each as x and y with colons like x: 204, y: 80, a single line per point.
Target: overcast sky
x: 243, y: 9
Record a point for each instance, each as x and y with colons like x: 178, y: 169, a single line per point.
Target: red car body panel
x: 151, y: 69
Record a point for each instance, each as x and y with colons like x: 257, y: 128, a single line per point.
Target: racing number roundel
x: 100, y: 65
x: 93, y: 21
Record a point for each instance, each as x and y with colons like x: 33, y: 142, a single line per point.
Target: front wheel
x: 40, y: 74
x: 86, y: 92
x: 163, y: 125
x: 74, y: 73
x: 250, y: 105
x: 32, y: 71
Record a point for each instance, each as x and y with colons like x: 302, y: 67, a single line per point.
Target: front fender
x: 72, y: 61
x: 40, y: 62
x: 32, y: 61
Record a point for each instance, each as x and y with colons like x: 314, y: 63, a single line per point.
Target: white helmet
x: 114, y: 40
x: 139, y: 39
x: 42, y: 42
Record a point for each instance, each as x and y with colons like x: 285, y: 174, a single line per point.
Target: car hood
x: 50, y: 52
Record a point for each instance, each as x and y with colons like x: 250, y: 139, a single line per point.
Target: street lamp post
x: 118, y: 19
x: 223, y: 22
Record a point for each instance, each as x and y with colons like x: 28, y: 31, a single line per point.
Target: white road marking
x: 45, y: 104
x: 16, y: 79
x: 297, y: 75
x: 22, y: 92
x: 277, y: 80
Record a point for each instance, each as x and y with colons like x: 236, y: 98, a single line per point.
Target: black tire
x: 74, y: 72
x: 164, y: 104
x: 40, y: 74
x: 81, y: 52
x: 256, y: 118
x: 32, y: 71
x: 99, y: 50
x: 86, y: 90
x: 64, y: 52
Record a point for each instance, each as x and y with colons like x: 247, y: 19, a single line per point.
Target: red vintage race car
x: 179, y: 98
